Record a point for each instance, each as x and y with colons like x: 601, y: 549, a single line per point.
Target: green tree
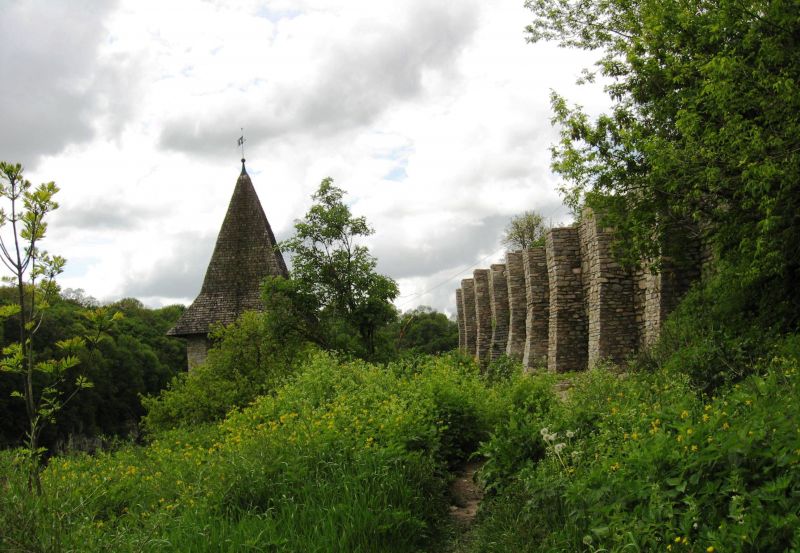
x: 33, y: 273
x: 704, y: 129
x: 425, y: 331
x: 526, y: 230
x: 339, y: 300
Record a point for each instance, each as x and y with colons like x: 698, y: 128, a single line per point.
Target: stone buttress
x: 517, y: 305
x: 498, y: 298
x: 483, y: 316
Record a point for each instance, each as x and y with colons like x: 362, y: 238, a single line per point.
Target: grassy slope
x: 346, y: 457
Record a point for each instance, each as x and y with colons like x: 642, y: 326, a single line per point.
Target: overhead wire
x: 411, y: 297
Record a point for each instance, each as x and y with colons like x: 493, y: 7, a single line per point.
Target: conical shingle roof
x: 244, y: 255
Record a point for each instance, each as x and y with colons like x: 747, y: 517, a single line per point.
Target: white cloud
x: 434, y: 117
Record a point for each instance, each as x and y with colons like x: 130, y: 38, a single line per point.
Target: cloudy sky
x: 433, y: 116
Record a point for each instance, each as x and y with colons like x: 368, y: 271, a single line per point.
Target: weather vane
x: 241, y: 142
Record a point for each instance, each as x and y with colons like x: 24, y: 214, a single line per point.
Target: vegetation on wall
x: 703, y: 137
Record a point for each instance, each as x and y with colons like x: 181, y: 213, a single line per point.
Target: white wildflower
x: 559, y: 447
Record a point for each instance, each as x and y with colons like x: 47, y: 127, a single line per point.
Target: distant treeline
x: 137, y: 358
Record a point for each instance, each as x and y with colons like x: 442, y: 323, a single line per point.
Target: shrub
x: 245, y: 361
x: 642, y: 462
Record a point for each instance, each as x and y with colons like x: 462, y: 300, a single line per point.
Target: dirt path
x: 466, y: 495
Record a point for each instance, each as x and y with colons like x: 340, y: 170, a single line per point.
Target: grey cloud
x: 54, y: 90
x: 106, y: 215
x: 451, y: 247
x: 356, y: 82
x: 181, y: 276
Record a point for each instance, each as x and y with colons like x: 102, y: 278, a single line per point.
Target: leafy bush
x: 717, y: 333
x: 645, y: 463
x: 245, y: 361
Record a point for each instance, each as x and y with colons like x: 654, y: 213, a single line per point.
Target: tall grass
x: 345, y: 457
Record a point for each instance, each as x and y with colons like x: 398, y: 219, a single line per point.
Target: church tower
x: 244, y: 255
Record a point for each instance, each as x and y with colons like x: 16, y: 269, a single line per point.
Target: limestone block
x: 517, y: 305
x: 460, y: 316
x: 483, y: 316
x: 470, y: 322
x: 537, y: 309
x: 567, y: 333
x: 608, y: 296
x: 498, y: 299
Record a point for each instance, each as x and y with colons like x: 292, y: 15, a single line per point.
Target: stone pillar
x: 196, y: 350
x: 498, y: 298
x: 460, y: 314
x: 567, y: 344
x: 468, y: 307
x: 483, y: 316
x: 684, y: 257
x: 658, y: 294
x: 609, y: 296
x: 537, y: 309
x: 517, y: 305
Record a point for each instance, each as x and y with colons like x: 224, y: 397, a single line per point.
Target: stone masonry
x: 468, y: 308
x: 498, y: 297
x: 483, y: 316
x: 460, y: 314
x: 517, y: 305
x: 570, y: 305
x: 608, y: 296
x: 657, y: 294
x: 567, y: 344
x: 537, y: 309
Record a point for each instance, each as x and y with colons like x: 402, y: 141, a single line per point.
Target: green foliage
x: 718, y: 332
x: 525, y: 231
x: 133, y: 358
x: 246, y: 360
x: 643, y: 462
x: 342, y: 302
x: 704, y: 128
x: 344, y: 457
x: 423, y: 331
x: 33, y: 275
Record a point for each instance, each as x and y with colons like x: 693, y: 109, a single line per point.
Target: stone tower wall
x: 498, y: 296
x: 517, y: 305
x: 468, y: 309
x: 537, y: 309
x: 196, y: 350
x: 483, y: 316
x: 460, y: 317
x: 567, y: 343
